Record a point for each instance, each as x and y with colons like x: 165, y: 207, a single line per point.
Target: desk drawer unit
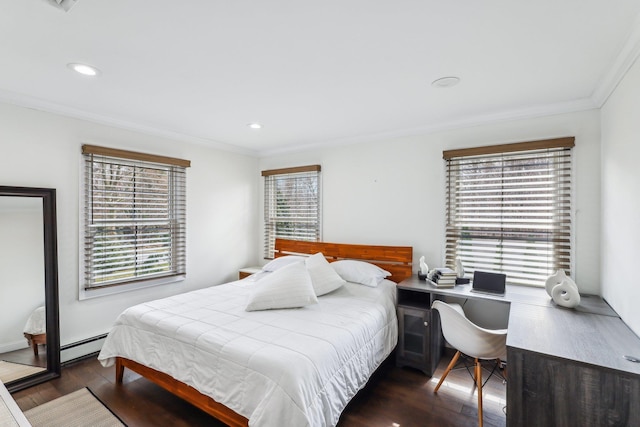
x: 419, y: 345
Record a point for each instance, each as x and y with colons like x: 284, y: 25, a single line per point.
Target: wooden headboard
x: 396, y: 260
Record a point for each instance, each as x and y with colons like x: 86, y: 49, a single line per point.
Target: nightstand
x: 247, y: 271
x: 419, y: 334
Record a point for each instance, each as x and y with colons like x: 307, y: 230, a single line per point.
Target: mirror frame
x: 48, y: 196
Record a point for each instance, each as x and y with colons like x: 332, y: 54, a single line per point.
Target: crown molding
x: 455, y: 123
x: 459, y: 123
x: 54, y: 108
x: 624, y: 61
x: 583, y: 104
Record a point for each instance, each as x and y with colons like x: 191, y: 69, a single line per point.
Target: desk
x: 565, y: 367
x: 513, y: 294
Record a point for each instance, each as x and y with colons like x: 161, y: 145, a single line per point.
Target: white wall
x: 43, y: 150
x: 385, y: 192
x: 392, y: 191
x: 21, y: 267
x: 621, y: 199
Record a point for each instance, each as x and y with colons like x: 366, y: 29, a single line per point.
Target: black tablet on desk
x: 489, y: 283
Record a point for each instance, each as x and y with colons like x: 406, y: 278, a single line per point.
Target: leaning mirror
x: 29, y: 334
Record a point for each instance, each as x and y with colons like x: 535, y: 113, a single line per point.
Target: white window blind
x: 508, y: 209
x: 291, y: 205
x: 135, y: 217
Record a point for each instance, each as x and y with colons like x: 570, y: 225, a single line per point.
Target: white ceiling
x: 312, y: 72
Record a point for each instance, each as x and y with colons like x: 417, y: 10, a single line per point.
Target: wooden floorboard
x: 26, y: 356
x: 394, y: 397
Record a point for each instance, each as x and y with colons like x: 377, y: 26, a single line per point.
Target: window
x: 134, y: 225
x: 508, y: 209
x: 291, y: 205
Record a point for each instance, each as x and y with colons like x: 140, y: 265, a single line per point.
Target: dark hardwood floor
x: 25, y: 356
x: 394, y: 397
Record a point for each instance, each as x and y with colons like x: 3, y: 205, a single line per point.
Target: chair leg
x: 453, y: 362
x: 478, y: 375
x: 504, y: 369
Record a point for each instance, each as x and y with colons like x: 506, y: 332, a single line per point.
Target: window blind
x: 291, y: 205
x: 135, y: 217
x: 510, y: 212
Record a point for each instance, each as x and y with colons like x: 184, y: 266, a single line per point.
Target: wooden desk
x: 565, y: 367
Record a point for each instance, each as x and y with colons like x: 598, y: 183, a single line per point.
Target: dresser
x: 247, y: 271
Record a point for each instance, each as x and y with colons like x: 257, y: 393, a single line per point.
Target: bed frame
x: 395, y: 259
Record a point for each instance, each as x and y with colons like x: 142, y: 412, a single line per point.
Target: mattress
x: 293, y: 367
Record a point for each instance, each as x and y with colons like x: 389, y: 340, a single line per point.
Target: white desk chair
x: 468, y: 338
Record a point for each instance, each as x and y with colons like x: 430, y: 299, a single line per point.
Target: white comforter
x: 291, y: 367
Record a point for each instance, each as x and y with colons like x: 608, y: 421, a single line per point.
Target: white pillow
x: 323, y: 277
x: 282, y: 261
x: 360, y: 272
x: 289, y: 287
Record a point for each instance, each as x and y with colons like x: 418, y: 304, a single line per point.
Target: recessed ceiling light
x: 255, y: 125
x: 446, y: 81
x: 84, y: 69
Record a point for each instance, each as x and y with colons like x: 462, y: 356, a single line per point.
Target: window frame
x: 175, y: 170
x: 559, y: 203
x: 270, y: 222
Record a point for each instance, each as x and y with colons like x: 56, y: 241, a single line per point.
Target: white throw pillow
x: 282, y: 261
x: 360, y: 272
x: 288, y: 287
x: 323, y: 277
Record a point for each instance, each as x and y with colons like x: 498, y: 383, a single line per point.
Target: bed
x: 292, y: 366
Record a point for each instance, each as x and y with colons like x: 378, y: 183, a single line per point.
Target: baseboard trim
x: 83, y: 342
x: 80, y: 359
x: 81, y: 350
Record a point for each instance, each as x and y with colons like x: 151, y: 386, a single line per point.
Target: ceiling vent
x: 63, y: 4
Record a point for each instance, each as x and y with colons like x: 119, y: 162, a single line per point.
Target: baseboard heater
x: 80, y: 350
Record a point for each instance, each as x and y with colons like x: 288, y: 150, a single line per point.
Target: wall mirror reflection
x: 29, y: 337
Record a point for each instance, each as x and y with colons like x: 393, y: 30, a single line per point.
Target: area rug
x: 12, y: 371
x: 78, y: 409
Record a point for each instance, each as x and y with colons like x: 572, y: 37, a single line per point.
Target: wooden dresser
x: 247, y: 271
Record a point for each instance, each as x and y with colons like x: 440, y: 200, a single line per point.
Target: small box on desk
x: 462, y: 281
